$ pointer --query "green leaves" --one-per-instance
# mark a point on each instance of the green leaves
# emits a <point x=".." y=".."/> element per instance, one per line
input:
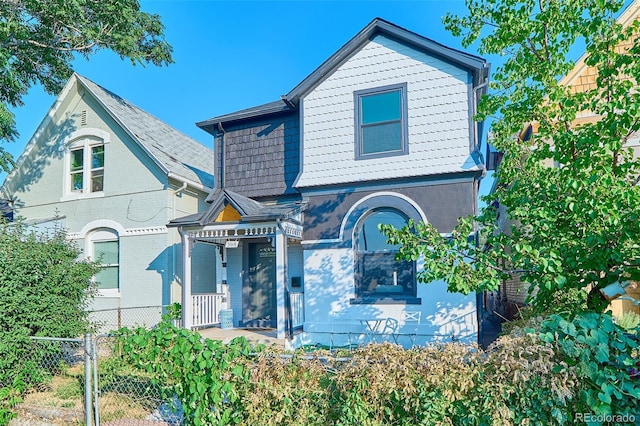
<point x="39" y="40"/>
<point x="203" y="373"/>
<point x="565" y="214"/>
<point x="44" y="289"/>
<point x="601" y="354"/>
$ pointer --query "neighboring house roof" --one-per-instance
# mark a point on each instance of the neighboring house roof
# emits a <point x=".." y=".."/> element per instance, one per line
<point x="582" y="76"/>
<point x="289" y="102"/>
<point x="248" y="209"/>
<point x="177" y="154"/>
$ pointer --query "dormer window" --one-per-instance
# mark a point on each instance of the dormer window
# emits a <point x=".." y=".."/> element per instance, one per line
<point x="381" y="122"/>
<point x="86" y="166"/>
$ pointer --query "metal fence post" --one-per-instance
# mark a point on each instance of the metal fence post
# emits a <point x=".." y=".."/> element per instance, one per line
<point x="87" y="379"/>
<point x="96" y="391"/>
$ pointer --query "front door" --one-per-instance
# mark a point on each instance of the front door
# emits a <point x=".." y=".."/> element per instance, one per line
<point x="260" y="303"/>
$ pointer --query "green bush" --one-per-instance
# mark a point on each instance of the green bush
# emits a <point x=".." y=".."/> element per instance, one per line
<point x="568" y="367"/>
<point x="44" y="289"/>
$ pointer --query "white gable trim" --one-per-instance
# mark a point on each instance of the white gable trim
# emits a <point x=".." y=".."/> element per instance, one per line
<point x="43" y="125"/>
<point x="349" y="212"/>
<point x="121" y="230"/>
<point x="128" y="131"/>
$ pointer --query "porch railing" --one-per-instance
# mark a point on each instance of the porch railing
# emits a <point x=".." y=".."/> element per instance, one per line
<point x="206" y="309"/>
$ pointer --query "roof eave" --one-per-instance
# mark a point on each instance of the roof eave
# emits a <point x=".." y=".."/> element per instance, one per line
<point x="212" y="125"/>
<point x="380" y="26"/>
<point x="191" y="183"/>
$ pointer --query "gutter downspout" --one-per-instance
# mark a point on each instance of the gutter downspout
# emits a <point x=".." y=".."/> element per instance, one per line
<point x="222" y="155"/>
<point x="476" y="190"/>
<point x="174" y="254"/>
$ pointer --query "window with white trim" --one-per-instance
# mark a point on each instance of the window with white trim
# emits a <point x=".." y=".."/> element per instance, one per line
<point x="86" y="166"/>
<point x="377" y="272"/>
<point x="105" y="248"/>
<point x="381" y="122"/>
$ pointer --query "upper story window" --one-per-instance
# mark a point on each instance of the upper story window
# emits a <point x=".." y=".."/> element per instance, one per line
<point x="86" y="168"/>
<point x="377" y="272"/>
<point x="381" y="122"/>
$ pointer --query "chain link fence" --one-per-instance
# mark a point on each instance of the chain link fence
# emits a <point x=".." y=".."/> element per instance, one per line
<point x="107" y="320"/>
<point x="128" y="397"/>
<point x="55" y="373"/>
<point x="65" y="376"/>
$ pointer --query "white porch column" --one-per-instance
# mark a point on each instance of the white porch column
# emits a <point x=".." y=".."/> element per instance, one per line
<point x="281" y="279"/>
<point x="187" y="303"/>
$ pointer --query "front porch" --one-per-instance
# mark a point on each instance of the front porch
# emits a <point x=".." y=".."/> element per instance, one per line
<point x="254" y="265"/>
<point x="207" y="315"/>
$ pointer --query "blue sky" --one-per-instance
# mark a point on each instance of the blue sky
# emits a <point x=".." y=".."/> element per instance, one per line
<point x="231" y="55"/>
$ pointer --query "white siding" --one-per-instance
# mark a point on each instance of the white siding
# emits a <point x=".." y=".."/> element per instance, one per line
<point x="329" y="286"/>
<point x="438" y="117"/>
<point x="295" y="261"/>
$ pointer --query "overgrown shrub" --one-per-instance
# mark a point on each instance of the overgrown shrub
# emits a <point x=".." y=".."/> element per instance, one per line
<point x="568" y="367"/>
<point x="44" y="289"/>
<point x="200" y="372"/>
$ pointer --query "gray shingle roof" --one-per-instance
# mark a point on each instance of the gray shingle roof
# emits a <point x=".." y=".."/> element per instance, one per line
<point x="173" y="151"/>
<point x="257" y="111"/>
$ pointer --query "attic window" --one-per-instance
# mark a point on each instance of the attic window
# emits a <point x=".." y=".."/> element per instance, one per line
<point x="86" y="166"/>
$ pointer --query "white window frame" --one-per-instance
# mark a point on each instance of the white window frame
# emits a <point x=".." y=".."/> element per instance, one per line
<point x="85" y="139"/>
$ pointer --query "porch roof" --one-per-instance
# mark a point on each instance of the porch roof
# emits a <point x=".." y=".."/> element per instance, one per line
<point x="249" y="210"/>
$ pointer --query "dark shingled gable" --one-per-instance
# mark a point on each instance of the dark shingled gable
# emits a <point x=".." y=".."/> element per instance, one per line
<point x="262" y="156"/>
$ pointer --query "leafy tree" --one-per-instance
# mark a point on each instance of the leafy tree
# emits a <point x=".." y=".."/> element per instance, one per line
<point x="39" y="39"/>
<point x="570" y="191"/>
<point x="44" y="290"/>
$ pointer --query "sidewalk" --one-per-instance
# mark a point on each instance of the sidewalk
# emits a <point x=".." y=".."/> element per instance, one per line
<point x="264" y="336"/>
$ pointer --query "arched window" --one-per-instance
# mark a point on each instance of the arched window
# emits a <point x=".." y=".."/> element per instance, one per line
<point x="105" y="248"/>
<point x="85" y="163"/>
<point x="377" y="272"/>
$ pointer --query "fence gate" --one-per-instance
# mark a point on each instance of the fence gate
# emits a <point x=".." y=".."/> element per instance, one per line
<point x="64" y="376"/>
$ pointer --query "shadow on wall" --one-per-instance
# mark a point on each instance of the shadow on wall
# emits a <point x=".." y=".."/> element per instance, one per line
<point x="164" y="265"/>
<point x="168" y="264"/>
<point x="326" y="216"/>
<point x="30" y="168"/>
<point x="329" y="288"/>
